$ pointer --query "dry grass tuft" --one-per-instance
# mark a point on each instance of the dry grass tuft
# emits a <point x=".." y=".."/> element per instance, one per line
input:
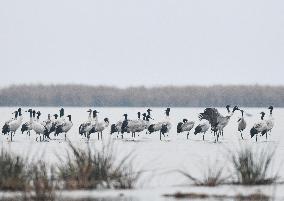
<point x="13" y="172"/>
<point x="258" y="196"/>
<point x="87" y="169"/>
<point x="212" y="175"/>
<point x="252" y="167"/>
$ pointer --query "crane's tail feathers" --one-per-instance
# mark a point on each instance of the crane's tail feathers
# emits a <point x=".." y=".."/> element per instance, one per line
<point x="6" y="129"/>
<point x="59" y="129"/>
<point x="24" y="128"/>
<point x="124" y="127"/>
<point x="151" y="128"/>
<point x="198" y="129"/>
<point x="253" y="132"/>
<point x="179" y="127"/>
<point x="113" y="129"/>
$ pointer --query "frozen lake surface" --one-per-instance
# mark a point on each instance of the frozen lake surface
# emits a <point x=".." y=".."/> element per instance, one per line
<point x="159" y="159"/>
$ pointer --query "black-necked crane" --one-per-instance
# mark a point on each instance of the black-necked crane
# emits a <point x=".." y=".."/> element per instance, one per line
<point x="259" y="127"/>
<point x="202" y="127"/>
<point x="242" y="124"/>
<point x="217" y="121"/>
<point x="185" y="126"/>
<point x="270" y="119"/>
<point x="163" y="126"/>
<point x="64" y="127"/>
<point x="12" y="125"/>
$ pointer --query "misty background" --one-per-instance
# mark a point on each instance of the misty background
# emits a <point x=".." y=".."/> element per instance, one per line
<point x="191" y="96"/>
<point x="193" y="46"/>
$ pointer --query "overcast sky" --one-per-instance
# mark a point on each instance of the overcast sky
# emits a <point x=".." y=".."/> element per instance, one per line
<point x="146" y="42"/>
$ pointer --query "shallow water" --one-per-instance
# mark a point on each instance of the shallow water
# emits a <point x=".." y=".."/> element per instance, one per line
<point x="159" y="159"/>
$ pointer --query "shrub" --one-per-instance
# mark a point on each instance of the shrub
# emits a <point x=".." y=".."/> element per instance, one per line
<point x="13" y="171"/>
<point x="87" y="169"/>
<point x="251" y="167"/>
<point x="212" y="175"/>
<point x="42" y="181"/>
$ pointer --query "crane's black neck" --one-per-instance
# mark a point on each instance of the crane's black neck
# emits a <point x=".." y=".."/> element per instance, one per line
<point x="20" y="111"/>
<point x="167" y="113"/>
<point x="31" y="114"/>
<point x="94" y="114"/>
<point x="262" y="116"/>
<point x="16" y="114"/>
<point x="228" y="109"/>
<point x="61" y="112"/>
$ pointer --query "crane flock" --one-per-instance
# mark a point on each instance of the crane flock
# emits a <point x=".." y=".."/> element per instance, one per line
<point x="209" y="120"/>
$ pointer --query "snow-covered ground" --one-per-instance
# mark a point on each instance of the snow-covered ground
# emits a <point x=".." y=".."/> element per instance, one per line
<point x="159" y="159"/>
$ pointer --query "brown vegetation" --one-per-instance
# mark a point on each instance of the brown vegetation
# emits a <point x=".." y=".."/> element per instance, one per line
<point x="249" y="167"/>
<point x="258" y="196"/>
<point x="85" y="169"/>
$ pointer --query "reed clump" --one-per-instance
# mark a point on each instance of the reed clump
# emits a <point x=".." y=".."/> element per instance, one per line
<point x="211" y="175"/>
<point x="89" y="169"/>
<point x="248" y="167"/>
<point x="14" y="174"/>
<point x="251" y="167"/>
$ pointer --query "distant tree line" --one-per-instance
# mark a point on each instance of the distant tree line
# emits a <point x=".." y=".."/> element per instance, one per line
<point x="98" y="96"/>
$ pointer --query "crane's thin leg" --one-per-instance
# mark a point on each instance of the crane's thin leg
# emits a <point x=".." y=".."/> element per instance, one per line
<point x="98" y="136"/>
<point x="187" y="135"/>
<point x="203" y="137"/>
<point x="256" y="138"/>
<point x="101" y="135"/>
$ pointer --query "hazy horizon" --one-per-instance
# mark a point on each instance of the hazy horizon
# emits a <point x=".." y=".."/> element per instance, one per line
<point x="138" y="86"/>
<point x="142" y="43"/>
